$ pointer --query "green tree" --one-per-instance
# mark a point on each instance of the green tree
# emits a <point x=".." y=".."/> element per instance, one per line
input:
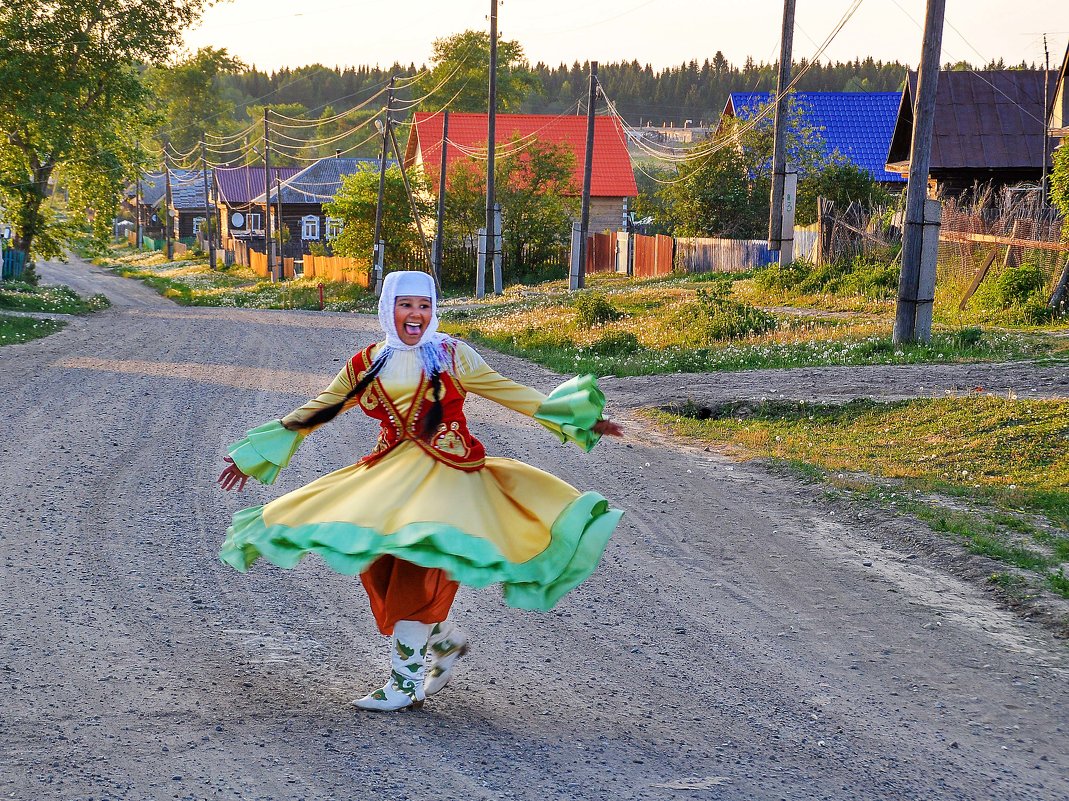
<point x="355" y="206"/>
<point x="73" y="99"/>
<point x="535" y="186"/>
<point x="1059" y="181"/>
<point x="842" y="182"/>
<point x="189" y="99"/>
<point x="461" y="72"/>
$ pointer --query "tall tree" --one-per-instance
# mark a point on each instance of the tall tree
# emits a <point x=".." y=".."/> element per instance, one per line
<point x="71" y="95"/>
<point x="461" y="71"/>
<point x="355" y="206"/>
<point x="189" y="96"/>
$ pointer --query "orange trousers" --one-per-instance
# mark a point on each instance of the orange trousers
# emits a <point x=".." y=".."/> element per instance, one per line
<point x="400" y="590"/>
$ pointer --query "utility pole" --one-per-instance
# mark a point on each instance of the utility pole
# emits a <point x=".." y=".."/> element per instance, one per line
<point x="491" y="144"/>
<point x="268" y="244"/>
<point x="278" y="227"/>
<point x="208" y="216"/>
<point x="439" y="232"/>
<point x="412" y="204"/>
<point x="377" y="256"/>
<point x="584" y="222"/>
<point x="779" y="147"/>
<point x="167" y="205"/>
<point x="1046" y="138"/>
<point x="139" y="236"/>
<point x="916" y="283"/>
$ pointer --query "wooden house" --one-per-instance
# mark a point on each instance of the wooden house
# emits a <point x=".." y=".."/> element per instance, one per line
<point x="1058" y="114"/>
<point x="236" y="188"/>
<point x="188" y="208"/>
<point x="303" y="196"/>
<point x="988" y="130"/>
<point x="612" y="178"/>
<point x="856" y="125"/>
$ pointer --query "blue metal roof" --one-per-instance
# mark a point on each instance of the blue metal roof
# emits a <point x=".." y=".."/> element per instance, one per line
<point x="857" y="124"/>
<point x="320" y="182"/>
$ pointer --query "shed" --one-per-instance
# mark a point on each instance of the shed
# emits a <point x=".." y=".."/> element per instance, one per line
<point x="989" y="128"/>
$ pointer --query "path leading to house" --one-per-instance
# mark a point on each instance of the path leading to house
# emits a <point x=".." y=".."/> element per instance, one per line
<point x="744" y="638"/>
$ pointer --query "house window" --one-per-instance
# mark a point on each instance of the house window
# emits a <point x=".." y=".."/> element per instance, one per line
<point x="334" y="226"/>
<point x="197" y="223"/>
<point x="310" y="227"/>
<point x="256" y="224"/>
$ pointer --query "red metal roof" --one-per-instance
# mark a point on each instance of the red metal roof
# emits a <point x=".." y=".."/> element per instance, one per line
<point x="611" y="172"/>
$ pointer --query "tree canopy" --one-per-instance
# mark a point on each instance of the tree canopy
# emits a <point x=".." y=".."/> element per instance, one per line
<point x="72" y="95"/>
<point x="460" y="74"/>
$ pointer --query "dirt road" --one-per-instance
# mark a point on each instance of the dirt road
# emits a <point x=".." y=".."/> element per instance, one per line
<point x="743" y="639"/>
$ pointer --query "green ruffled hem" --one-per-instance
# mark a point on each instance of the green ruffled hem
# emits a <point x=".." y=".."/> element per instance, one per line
<point x="265" y="450"/>
<point x="578" y="538"/>
<point x="572" y="409"/>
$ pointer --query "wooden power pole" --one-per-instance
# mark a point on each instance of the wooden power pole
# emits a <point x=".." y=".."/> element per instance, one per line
<point x="439" y="231"/>
<point x="491" y="145"/>
<point x="167" y="232"/>
<point x="377" y="256"/>
<point x="267" y="199"/>
<point x="209" y="220"/>
<point x="579" y="279"/>
<point x="782" y="122"/>
<point x="916" y="283"/>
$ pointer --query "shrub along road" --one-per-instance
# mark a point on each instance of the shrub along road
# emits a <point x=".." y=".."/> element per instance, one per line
<point x="743" y="638"/>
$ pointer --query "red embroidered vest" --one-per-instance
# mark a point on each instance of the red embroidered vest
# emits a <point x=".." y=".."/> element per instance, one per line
<point x="451" y="443"/>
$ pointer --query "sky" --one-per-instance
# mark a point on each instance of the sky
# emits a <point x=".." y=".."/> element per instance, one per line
<point x="275" y="33"/>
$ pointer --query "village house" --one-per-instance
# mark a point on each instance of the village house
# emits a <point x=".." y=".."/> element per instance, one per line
<point x="1058" y="118"/>
<point x="153" y="187"/>
<point x="856" y="125"/>
<point x="988" y="129"/>
<point x="188" y="209"/>
<point x="612" y="178"/>
<point x="236" y="187"/>
<point x="303" y="196"/>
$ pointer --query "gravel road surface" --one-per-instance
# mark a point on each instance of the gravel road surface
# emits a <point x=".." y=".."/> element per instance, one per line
<point x="744" y="638"/>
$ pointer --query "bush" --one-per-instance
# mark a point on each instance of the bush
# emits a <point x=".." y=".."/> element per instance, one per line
<point x="872" y="275"/>
<point x="781" y="277"/>
<point x="713" y="317"/>
<point x="968" y="337"/>
<point x="592" y="309"/>
<point x="1021" y="287"/>
<point x="616" y="343"/>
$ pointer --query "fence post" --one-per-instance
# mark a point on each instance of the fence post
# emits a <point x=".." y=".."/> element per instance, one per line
<point x="480" y="266"/>
<point x="574" y="265"/>
<point x="925" y="297"/>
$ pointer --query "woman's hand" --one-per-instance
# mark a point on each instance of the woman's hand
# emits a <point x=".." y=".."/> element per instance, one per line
<point x="608" y="428"/>
<point x="232" y="477"/>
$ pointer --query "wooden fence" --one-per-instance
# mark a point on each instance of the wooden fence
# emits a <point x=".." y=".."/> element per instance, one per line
<point x="258" y="264"/>
<point x="337" y="268"/>
<point x="601" y="253"/>
<point x="654" y="255"/>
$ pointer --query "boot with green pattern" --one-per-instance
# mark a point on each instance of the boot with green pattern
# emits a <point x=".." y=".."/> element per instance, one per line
<point x="446" y="645"/>
<point x="408" y="657"/>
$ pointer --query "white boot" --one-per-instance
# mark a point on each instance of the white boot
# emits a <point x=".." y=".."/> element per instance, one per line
<point x="446" y="645"/>
<point x="407" y="658"/>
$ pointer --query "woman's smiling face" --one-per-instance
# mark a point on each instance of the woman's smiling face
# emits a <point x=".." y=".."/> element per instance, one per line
<point x="411" y="316"/>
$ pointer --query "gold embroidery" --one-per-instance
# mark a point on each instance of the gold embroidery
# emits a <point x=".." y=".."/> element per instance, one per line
<point x="369" y="400"/>
<point x="449" y="441"/>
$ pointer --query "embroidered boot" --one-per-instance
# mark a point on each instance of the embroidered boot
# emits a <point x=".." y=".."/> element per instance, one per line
<point x="446" y="645"/>
<point x="405" y="687"/>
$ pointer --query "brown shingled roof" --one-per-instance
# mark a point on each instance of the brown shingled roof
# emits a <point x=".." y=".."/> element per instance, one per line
<point x="990" y="119"/>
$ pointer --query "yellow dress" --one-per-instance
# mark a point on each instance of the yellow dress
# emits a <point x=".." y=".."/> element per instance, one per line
<point x="507" y="522"/>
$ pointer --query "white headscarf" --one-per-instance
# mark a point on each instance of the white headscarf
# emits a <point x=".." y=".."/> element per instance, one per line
<point x="431" y="346"/>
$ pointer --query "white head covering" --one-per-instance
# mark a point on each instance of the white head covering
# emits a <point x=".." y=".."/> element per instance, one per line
<point x="432" y="353"/>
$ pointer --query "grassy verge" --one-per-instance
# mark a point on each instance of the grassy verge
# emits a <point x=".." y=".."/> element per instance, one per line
<point x="191" y="282"/>
<point x="992" y="473"/>
<point x="17" y="296"/>
<point x="22" y="329"/>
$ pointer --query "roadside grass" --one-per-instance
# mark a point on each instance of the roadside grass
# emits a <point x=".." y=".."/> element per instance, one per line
<point x="708" y="323"/>
<point x="189" y="280"/>
<point x="990" y="472"/>
<point x="19" y="296"/>
<point x="22" y="329"/>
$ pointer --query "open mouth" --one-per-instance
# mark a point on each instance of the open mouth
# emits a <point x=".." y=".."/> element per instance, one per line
<point x="413" y="329"/>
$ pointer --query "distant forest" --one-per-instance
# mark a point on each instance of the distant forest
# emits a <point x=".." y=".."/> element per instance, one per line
<point x="673" y="95"/>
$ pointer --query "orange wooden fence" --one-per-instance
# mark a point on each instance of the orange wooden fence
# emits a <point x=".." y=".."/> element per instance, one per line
<point x="600" y="253"/>
<point x="258" y="264"/>
<point x="653" y="255"/>
<point x="337" y="268"/>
